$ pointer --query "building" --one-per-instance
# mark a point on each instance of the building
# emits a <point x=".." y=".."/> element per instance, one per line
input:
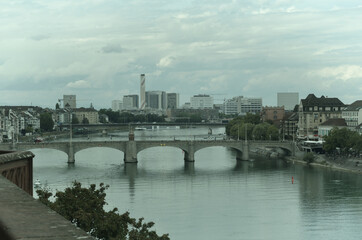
<point x="353" y="115"/>
<point x="156" y="100"/>
<point x="314" y="111"/>
<point x="69" y="101"/>
<point x="327" y="126"/>
<point x="230" y="107"/>
<point x="288" y="100"/>
<point x="16" y="120"/>
<point x="130" y="102"/>
<point x="117" y="105"/>
<point x="86" y="115"/>
<point x="173" y="100"/>
<point x="241" y="106"/>
<point x="202" y="101"/>
<point x="142" y="91"/>
<point x="272" y="113"/>
<point x="290" y="125"/>
<point x="249" y="105"/>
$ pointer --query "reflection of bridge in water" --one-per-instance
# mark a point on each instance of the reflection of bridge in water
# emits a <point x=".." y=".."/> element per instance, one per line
<point x="132" y="148"/>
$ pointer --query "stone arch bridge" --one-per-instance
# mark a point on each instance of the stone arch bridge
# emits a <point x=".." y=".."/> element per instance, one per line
<point x="132" y="148"/>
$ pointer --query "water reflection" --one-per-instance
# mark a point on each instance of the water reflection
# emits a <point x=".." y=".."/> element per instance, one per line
<point x="130" y="170"/>
<point x="189" y="168"/>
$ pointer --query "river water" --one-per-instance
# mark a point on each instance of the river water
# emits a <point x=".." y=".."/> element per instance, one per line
<point x="217" y="197"/>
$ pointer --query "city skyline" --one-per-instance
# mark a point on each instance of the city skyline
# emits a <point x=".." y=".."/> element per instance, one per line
<point x="98" y="49"/>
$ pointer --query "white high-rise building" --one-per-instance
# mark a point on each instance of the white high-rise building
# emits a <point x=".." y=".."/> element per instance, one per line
<point x="130" y="102"/>
<point x="143" y="92"/>
<point x="202" y="101"/>
<point x="117" y="105"/>
<point x="242" y="106"/>
<point x="288" y="100"/>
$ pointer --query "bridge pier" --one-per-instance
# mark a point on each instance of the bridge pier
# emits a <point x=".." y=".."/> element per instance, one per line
<point x="71" y="158"/>
<point x="245" y="155"/>
<point x="190" y="153"/>
<point x="130" y="155"/>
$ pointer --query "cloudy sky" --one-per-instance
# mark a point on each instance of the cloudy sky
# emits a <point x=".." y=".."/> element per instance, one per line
<point x="97" y="49"/>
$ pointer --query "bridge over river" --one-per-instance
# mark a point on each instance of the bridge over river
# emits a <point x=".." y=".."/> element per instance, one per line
<point x="132" y="148"/>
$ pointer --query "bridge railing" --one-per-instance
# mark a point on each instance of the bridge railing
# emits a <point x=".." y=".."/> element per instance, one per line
<point x="18" y="168"/>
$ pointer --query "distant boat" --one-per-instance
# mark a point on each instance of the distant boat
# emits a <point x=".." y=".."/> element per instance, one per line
<point x="37" y="183"/>
<point x="140" y="128"/>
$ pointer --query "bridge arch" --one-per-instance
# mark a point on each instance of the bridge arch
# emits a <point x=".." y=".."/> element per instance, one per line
<point x="238" y="150"/>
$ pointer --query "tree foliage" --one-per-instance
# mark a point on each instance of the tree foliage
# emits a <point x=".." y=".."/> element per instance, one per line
<point x="46" y="122"/>
<point x="255" y="130"/>
<point x="344" y="139"/>
<point x="260" y="131"/>
<point x="252" y="118"/>
<point x="85" y="208"/>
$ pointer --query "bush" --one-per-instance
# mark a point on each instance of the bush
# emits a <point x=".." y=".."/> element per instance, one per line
<point x="308" y="157"/>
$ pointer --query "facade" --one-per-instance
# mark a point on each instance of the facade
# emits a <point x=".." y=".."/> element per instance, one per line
<point x="314" y="111"/>
<point x="156" y="100"/>
<point x="202" y="101"/>
<point x="117" y="105"/>
<point x="272" y="113"/>
<point x="249" y="105"/>
<point x="230" y="106"/>
<point x="18" y="120"/>
<point x="69" y="101"/>
<point x="173" y="100"/>
<point x="86" y="113"/>
<point x="288" y="100"/>
<point x="290" y="125"/>
<point x="142" y="91"/>
<point x="327" y="126"/>
<point x="353" y="115"/>
<point x="241" y="106"/>
<point x="130" y="102"/>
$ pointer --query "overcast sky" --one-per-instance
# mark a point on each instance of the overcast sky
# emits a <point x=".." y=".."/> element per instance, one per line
<point x="97" y="49"/>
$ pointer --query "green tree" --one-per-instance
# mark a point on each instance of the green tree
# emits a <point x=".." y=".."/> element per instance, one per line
<point x="75" y="120"/>
<point x="344" y="139"/>
<point x="46" y="122"/>
<point x="85" y="208"/>
<point x="85" y="121"/>
<point x="252" y="118"/>
<point x="260" y="131"/>
<point x="272" y="133"/>
<point x="235" y="121"/>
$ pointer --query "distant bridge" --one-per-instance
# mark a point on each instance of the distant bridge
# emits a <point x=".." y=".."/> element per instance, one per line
<point x="132" y="148"/>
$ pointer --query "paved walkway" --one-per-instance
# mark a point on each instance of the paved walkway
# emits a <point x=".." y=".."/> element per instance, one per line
<point x="26" y="218"/>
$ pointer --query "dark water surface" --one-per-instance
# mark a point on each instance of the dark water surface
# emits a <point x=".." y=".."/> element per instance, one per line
<point x="217" y="197"/>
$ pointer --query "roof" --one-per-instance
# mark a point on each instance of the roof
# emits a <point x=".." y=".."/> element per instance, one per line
<point x="312" y="101"/>
<point x="355" y="106"/>
<point x="335" y="122"/>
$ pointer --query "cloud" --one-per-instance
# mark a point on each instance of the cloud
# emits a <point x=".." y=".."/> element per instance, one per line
<point x="165" y="62"/>
<point x="343" y="72"/>
<point x="113" y="48"/>
<point x="78" y="84"/>
<point x="40" y="37"/>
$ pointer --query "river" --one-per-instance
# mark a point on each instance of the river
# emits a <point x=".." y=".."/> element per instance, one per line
<point x="217" y="197"/>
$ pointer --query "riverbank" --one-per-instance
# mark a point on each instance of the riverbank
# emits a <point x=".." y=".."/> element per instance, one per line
<point x="353" y="165"/>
